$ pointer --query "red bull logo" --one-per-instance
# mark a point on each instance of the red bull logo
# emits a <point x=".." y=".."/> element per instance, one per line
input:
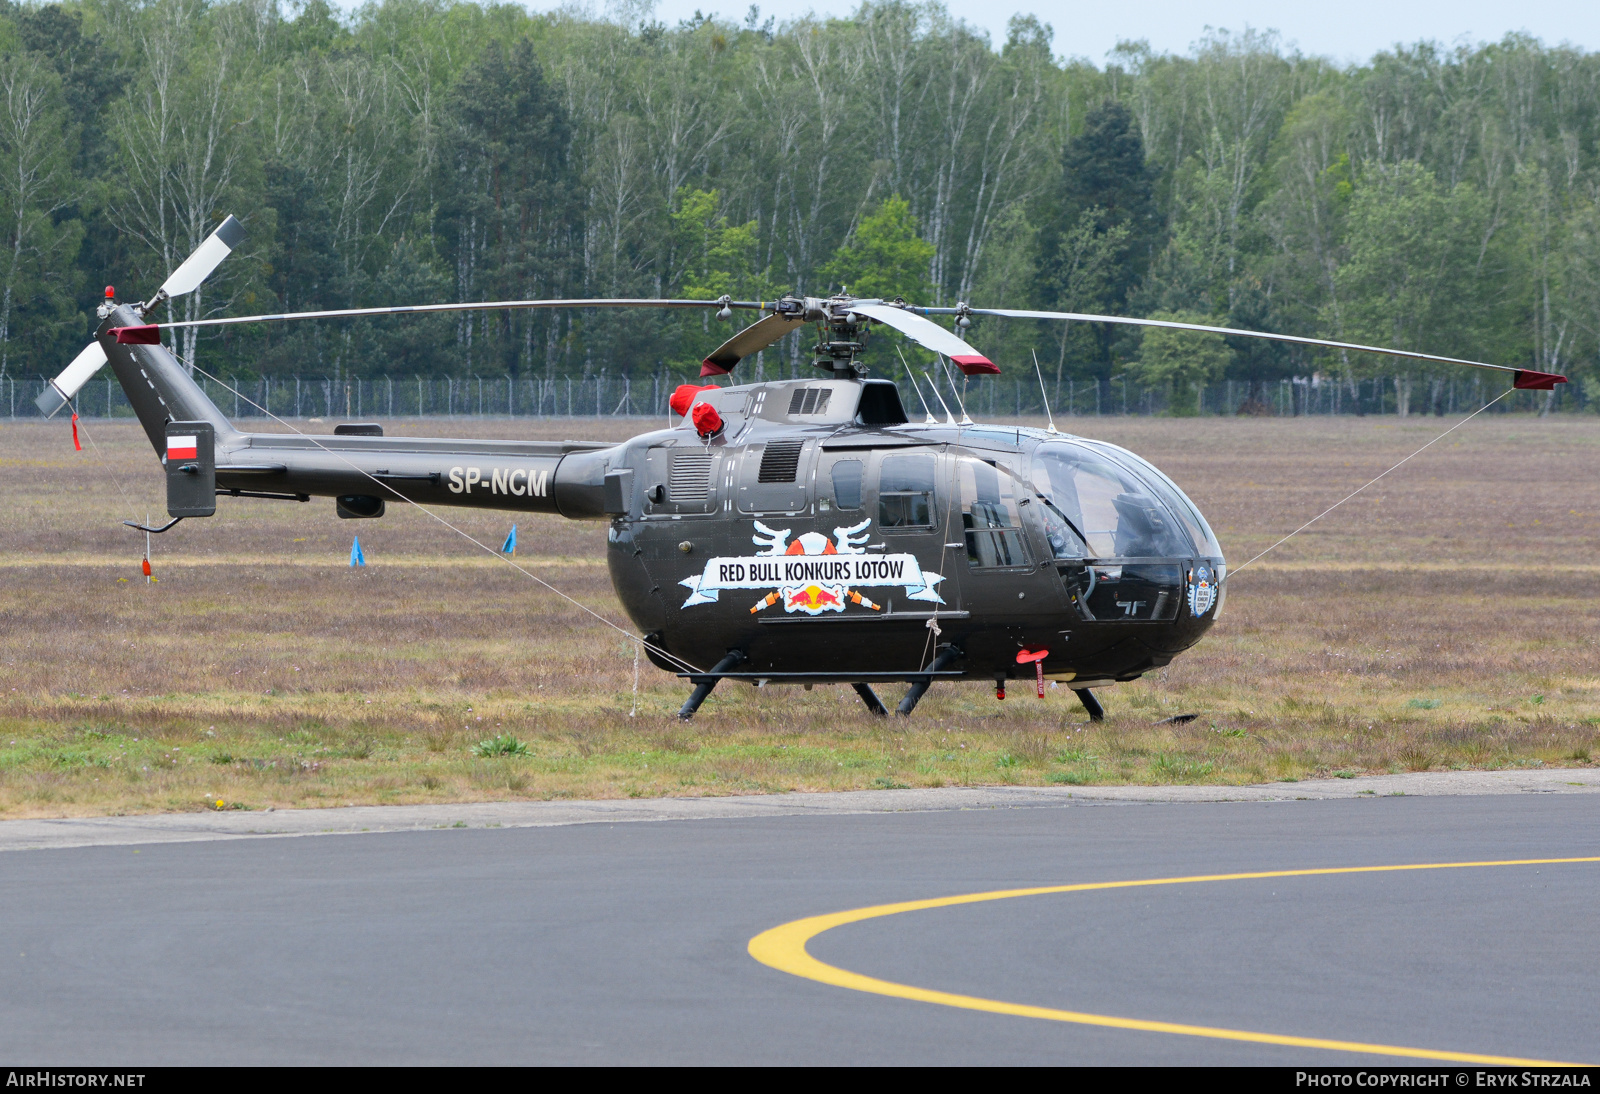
<point x="814" y="598"/>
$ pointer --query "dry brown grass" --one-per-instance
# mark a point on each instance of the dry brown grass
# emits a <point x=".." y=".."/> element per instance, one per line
<point x="1443" y="619"/>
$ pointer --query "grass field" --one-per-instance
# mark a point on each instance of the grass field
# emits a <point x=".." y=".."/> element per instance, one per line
<point x="1444" y="618"/>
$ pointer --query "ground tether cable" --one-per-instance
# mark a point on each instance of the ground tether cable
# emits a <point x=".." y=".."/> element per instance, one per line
<point x="463" y="534"/>
<point x="1358" y="490"/>
<point x="930" y="647"/>
<point x="106" y="465"/>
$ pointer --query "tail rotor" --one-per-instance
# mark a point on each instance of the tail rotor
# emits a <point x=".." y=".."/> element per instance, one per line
<point x="185" y="279"/>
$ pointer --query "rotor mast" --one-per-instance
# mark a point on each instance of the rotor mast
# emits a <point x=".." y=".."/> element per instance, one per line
<point x="841" y="331"/>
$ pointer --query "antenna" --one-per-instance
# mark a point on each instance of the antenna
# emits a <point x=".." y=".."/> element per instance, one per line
<point x="950" y="419"/>
<point x="965" y="420"/>
<point x="1040" y="373"/>
<point x="931" y="419"/>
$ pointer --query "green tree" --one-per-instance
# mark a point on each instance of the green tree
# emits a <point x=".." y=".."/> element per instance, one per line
<point x="884" y="258"/>
<point x="1085" y="266"/>
<point x="36" y="185"/>
<point x="1418" y="259"/>
<point x="1255" y="361"/>
<point x="1181" y="360"/>
<point x="1006" y="280"/>
<point x="1097" y="244"/>
<point x="511" y="217"/>
<point x="716" y="258"/>
<point x="303" y="269"/>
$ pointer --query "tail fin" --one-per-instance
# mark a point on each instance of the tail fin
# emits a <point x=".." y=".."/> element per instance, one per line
<point x="158" y="387"/>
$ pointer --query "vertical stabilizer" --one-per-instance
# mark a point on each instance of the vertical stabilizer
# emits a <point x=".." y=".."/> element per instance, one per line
<point x="158" y="387"/>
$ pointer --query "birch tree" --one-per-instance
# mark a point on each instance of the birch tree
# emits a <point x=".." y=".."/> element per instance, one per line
<point x="36" y="183"/>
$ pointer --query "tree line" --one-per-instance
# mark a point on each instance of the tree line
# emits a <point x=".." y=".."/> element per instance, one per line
<point x="420" y="151"/>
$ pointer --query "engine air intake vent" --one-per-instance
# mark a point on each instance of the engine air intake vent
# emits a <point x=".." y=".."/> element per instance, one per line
<point x="809" y="400"/>
<point x="690" y="478"/>
<point x="781" y="460"/>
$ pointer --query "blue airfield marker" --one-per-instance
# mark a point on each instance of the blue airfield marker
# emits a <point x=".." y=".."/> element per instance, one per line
<point x="356" y="557"/>
<point x="509" y="547"/>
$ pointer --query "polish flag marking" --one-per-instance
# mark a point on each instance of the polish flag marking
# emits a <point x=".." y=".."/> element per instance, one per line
<point x="182" y="448"/>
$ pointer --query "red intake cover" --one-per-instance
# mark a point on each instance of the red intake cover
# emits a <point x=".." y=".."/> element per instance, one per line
<point x="684" y="396"/>
<point x="706" y="419"/>
<point x="1024" y="657"/>
<point x="139" y="336"/>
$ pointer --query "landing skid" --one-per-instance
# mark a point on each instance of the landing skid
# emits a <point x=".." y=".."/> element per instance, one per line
<point x="1097" y="713"/>
<point x="919" y="688"/>
<point x="870" y="697"/>
<point x="705" y="684"/>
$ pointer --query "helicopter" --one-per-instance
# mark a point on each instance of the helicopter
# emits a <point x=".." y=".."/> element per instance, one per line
<point x="799" y="531"/>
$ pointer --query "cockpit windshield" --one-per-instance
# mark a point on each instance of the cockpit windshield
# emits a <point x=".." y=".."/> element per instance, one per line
<point x="1176" y="500"/>
<point x="1120" y="512"/>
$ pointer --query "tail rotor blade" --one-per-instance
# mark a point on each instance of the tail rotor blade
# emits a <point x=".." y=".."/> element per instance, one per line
<point x="207" y="257"/>
<point x="61" y="390"/>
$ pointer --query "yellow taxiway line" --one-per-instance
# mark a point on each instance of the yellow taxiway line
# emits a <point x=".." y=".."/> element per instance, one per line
<point x="784" y="948"/>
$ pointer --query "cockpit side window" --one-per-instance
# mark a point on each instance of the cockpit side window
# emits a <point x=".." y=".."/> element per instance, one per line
<point x="905" y="492"/>
<point x="1107" y="503"/>
<point x="990" y="516"/>
<point x="847" y="475"/>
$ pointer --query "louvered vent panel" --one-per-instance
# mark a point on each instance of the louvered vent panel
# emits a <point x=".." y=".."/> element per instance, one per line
<point x="690" y="479"/>
<point x="780" y="462"/>
<point x="810" y="400"/>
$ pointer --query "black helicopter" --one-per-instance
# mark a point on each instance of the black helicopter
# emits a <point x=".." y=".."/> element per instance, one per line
<point x="787" y="532"/>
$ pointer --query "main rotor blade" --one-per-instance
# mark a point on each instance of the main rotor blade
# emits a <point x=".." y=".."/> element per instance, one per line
<point x="207" y="257"/>
<point x="140" y="335"/>
<point x="61" y="390"/>
<point x="1523" y="378"/>
<point x="929" y="335"/>
<point x="754" y="338"/>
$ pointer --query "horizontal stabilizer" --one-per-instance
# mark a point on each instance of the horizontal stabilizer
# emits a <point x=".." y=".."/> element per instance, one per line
<point x="149" y="335"/>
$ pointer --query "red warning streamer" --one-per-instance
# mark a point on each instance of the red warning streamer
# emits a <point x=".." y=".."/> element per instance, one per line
<point x="75" y="443"/>
<point x="1037" y="658"/>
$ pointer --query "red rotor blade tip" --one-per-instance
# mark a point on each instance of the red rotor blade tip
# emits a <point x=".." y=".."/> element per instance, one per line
<point x="139" y="336"/>
<point x="976" y="365"/>
<point x="1529" y="380"/>
<point x="709" y="367"/>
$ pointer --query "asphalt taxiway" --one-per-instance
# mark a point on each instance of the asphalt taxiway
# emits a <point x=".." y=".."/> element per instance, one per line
<point x="538" y="937"/>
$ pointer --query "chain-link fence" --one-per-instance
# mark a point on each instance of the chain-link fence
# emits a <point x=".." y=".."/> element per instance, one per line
<point x="605" y="396"/>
